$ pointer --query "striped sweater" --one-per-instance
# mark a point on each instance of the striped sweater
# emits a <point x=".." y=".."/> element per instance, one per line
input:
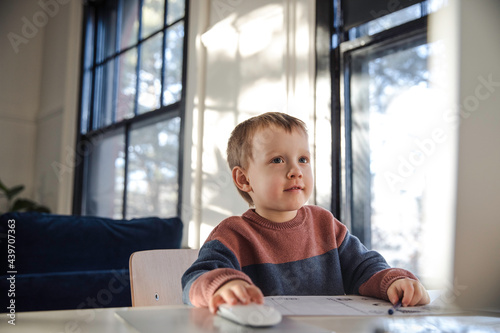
<point x="312" y="254"/>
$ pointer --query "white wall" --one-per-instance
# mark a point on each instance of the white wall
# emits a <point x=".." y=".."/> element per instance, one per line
<point x="57" y="116"/>
<point x="465" y="248"/>
<point x="19" y="96"/>
<point x="477" y="242"/>
<point x="38" y="97"/>
<point x="251" y="57"/>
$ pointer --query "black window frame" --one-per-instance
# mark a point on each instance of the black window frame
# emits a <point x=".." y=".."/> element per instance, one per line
<point x="331" y="17"/>
<point x="417" y="30"/>
<point x="86" y="137"/>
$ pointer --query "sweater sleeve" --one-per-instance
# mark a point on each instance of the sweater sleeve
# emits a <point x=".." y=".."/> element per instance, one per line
<point x="216" y="265"/>
<point x="377" y="285"/>
<point x="366" y="272"/>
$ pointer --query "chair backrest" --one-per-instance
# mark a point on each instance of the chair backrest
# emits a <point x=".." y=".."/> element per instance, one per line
<point x="155" y="276"/>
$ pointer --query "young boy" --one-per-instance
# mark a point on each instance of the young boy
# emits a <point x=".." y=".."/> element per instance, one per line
<point x="282" y="246"/>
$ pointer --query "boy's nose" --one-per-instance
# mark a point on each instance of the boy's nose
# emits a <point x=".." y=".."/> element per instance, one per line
<point x="294" y="172"/>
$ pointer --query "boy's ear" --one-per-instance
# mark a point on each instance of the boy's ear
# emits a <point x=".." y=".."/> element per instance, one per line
<point x="240" y="179"/>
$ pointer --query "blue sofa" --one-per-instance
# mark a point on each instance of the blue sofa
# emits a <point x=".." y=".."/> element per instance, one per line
<point x="74" y="262"/>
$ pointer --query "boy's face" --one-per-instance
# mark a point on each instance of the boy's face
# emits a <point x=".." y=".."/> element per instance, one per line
<point x="279" y="175"/>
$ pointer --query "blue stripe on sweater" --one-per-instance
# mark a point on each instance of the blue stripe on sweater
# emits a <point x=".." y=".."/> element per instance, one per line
<point x="318" y="275"/>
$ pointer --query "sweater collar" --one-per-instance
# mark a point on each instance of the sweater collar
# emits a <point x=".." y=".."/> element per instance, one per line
<point x="298" y="220"/>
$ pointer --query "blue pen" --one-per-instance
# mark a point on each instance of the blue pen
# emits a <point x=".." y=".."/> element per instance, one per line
<point x="394" y="307"/>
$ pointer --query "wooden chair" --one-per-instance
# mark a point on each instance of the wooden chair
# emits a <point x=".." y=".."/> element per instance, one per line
<point x="155" y="276"/>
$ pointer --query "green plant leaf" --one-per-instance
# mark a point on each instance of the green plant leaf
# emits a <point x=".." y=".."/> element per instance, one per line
<point x="41" y="209"/>
<point x="14" y="191"/>
<point x="22" y="204"/>
<point x="3" y="187"/>
<point x="28" y="206"/>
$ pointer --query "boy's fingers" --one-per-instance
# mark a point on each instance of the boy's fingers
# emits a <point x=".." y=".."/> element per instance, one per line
<point x="248" y="293"/>
<point x="408" y="292"/>
<point x="256" y="294"/>
<point x="394" y="298"/>
<point x="427" y="298"/>
<point x="225" y="296"/>
<point x="418" y="296"/>
<point x="421" y="297"/>
<point x="231" y="293"/>
<point x="394" y="294"/>
<point x="241" y="294"/>
<point x="229" y="297"/>
<point x="214" y="303"/>
<point x="237" y="293"/>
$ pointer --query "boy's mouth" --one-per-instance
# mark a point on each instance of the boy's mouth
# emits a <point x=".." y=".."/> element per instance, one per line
<point x="294" y="188"/>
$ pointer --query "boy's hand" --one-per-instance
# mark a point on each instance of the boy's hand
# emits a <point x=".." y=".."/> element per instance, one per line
<point x="409" y="291"/>
<point x="233" y="292"/>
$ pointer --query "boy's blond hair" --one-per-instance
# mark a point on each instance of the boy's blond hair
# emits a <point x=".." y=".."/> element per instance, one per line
<point x="239" y="147"/>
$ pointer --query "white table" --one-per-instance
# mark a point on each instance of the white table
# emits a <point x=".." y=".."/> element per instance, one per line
<point x="184" y="319"/>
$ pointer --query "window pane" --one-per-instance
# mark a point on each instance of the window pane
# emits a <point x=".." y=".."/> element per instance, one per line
<point x="173" y="64"/>
<point x="394" y="19"/>
<point x="381" y="23"/>
<point x="119" y="83"/>
<point x="103" y="111"/>
<point x="129" y="23"/>
<point x="88" y="64"/>
<point x="435" y="5"/>
<point x="127" y="79"/>
<point x="150" y="74"/>
<point x="153" y="169"/>
<point x="105" y="177"/>
<point x="397" y="149"/>
<point x="86" y="88"/>
<point x="107" y="33"/>
<point x="152" y="16"/>
<point x="175" y="10"/>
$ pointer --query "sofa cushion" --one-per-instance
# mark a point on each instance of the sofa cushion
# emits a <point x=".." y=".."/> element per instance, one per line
<point x="70" y="262"/>
<point x="71" y="290"/>
<point x="60" y="243"/>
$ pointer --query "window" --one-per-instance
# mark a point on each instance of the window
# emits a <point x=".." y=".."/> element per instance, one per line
<point x="391" y="136"/>
<point x="132" y="108"/>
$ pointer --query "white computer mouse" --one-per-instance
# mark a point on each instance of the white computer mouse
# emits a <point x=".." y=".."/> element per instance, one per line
<point x="250" y="314"/>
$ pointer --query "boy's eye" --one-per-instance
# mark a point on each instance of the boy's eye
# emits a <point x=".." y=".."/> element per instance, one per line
<point x="277" y="160"/>
<point x="303" y="160"/>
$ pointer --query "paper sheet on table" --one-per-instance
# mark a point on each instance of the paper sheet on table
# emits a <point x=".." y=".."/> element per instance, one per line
<point x="350" y="305"/>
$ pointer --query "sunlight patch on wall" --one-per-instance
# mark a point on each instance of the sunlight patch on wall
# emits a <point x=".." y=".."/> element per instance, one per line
<point x="205" y="231"/>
